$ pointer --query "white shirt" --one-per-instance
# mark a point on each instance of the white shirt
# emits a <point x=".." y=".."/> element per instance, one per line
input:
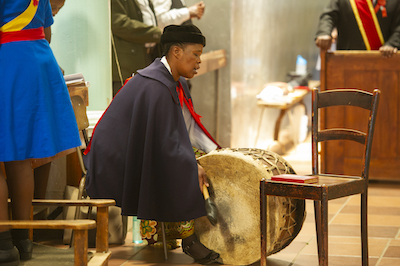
<point x="148" y="17"/>
<point x="167" y="16"/>
<point x="198" y="138"/>
<point x="147" y="13"/>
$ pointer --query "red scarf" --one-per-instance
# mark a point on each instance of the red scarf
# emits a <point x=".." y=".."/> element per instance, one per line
<point x="189" y="105"/>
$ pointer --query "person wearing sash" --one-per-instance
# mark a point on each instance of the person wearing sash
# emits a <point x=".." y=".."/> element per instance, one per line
<point x="36" y="115"/>
<point x="42" y="172"/>
<point x="361" y="25"/>
<point x="141" y="152"/>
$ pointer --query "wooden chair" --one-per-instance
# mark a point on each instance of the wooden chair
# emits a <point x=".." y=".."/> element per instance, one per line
<point x="79" y="227"/>
<point x="329" y="186"/>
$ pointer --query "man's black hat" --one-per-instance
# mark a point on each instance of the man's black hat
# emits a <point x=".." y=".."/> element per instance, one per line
<point x="182" y="34"/>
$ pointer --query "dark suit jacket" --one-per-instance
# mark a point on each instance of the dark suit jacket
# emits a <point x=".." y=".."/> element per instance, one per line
<point x="339" y="14"/>
<point x="130" y="35"/>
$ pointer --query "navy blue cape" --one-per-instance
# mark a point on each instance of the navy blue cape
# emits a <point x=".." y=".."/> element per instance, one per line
<point x="141" y="154"/>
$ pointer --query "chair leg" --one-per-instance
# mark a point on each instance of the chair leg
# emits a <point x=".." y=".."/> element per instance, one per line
<point x="80" y="247"/>
<point x="321" y="225"/>
<point x="364" y="229"/>
<point x="102" y="229"/>
<point x="263" y="225"/>
<point x="324" y="231"/>
<point x="317" y="214"/>
<point x="164" y="241"/>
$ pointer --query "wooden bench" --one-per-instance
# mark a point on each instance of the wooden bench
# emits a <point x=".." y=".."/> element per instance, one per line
<point x="292" y="99"/>
<point x="80" y="228"/>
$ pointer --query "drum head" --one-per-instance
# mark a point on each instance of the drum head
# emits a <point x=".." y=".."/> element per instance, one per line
<point x="234" y="177"/>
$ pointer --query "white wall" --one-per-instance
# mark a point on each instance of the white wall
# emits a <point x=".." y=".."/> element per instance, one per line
<point x="81" y="44"/>
<point x="266" y="37"/>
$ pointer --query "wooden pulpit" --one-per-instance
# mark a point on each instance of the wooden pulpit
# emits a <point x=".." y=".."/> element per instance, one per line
<point x="365" y="70"/>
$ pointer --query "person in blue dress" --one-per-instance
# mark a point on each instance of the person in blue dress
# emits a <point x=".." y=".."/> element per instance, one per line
<point x="36" y="115"/>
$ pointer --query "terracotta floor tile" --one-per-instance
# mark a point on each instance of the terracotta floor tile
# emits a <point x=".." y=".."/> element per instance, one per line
<point x="385" y="220"/>
<point x="387" y="189"/>
<point x="357" y="240"/>
<point x="304" y="238"/>
<point x="272" y="261"/>
<point x="340" y="200"/>
<point x="383" y="231"/>
<point x="354" y="230"/>
<point x="345" y="218"/>
<point x="348" y="261"/>
<point x="155" y="255"/>
<point x="334" y="249"/>
<point x="392" y="252"/>
<point x="389" y="262"/>
<point x="293" y="248"/>
<point x="306" y="260"/>
<point x="346" y="247"/>
<point x="308" y="229"/>
<point x="395" y="242"/>
<point x="386" y="201"/>
<point x="125" y="251"/>
<point x="344" y="232"/>
<point x="372" y="210"/>
<point x="282" y="257"/>
<point x="116" y="262"/>
<point x="380" y="220"/>
<point x="334" y="208"/>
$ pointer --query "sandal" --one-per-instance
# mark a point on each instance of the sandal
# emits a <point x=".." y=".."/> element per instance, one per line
<point x="212" y="257"/>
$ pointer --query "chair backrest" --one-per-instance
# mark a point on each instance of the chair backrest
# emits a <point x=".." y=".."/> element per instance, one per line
<point x="344" y="97"/>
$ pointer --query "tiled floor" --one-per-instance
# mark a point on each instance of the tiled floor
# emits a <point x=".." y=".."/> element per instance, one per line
<point x="344" y="231"/>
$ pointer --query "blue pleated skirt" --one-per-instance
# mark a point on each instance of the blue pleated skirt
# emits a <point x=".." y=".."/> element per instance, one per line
<point x="36" y="115"/>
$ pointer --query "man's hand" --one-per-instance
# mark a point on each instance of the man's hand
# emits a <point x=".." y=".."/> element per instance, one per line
<point x="324" y="42"/>
<point x="197" y="10"/>
<point x="387" y="50"/>
<point x="202" y="177"/>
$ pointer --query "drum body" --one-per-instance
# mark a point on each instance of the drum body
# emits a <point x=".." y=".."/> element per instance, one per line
<point x="234" y="176"/>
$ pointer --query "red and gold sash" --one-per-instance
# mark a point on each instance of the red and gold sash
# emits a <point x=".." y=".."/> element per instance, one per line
<point x="368" y="22"/>
<point x="13" y="31"/>
<point x="23" y="19"/>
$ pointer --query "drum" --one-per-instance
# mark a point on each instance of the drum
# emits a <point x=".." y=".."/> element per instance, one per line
<point x="234" y="176"/>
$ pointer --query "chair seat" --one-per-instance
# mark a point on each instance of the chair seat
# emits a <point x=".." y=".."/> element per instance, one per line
<point x="337" y="186"/>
